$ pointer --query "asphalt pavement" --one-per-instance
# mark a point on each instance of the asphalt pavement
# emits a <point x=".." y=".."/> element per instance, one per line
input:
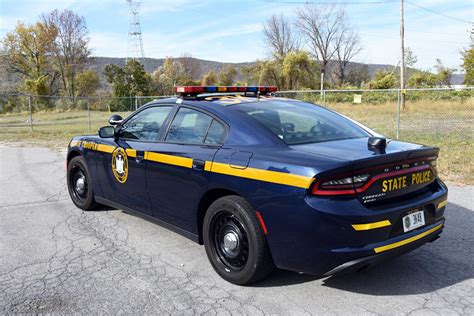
<point x="55" y="258"/>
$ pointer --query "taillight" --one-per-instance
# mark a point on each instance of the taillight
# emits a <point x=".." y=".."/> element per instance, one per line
<point x="340" y="186"/>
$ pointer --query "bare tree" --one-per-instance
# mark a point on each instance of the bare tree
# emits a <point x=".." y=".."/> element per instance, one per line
<point x="69" y="49"/>
<point x="191" y="68"/>
<point x="347" y="46"/>
<point x="279" y="36"/>
<point x="321" y="25"/>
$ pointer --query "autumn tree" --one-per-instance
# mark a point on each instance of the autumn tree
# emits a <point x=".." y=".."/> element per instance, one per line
<point x="209" y="79"/>
<point x="297" y="70"/>
<point x="227" y="76"/>
<point x="279" y="36"/>
<point x="468" y="66"/>
<point x="87" y="83"/>
<point x="25" y="53"/>
<point x="444" y="73"/>
<point x="167" y="76"/>
<point x="68" y="47"/>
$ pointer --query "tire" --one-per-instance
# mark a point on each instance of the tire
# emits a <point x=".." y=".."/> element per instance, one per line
<point x="235" y="242"/>
<point x="81" y="196"/>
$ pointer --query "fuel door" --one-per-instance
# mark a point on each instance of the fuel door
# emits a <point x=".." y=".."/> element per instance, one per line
<point x="240" y="159"/>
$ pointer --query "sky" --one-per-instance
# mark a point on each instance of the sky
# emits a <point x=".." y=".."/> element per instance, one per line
<point x="231" y="30"/>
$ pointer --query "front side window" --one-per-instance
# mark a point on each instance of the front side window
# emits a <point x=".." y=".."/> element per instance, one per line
<point x="300" y="122"/>
<point x="189" y="126"/>
<point x="146" y="124"/>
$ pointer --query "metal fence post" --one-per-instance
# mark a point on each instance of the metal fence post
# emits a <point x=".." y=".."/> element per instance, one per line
<point x="324" y="98"/>
<point x="398" y="114"/>
<point x="136" y="103"/>
<point x="89" y="115"/>
<point x="31" y="112"/>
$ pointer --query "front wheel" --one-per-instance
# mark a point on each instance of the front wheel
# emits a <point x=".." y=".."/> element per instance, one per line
<point x="79" y="184"/>
<point x="235" y="242"/>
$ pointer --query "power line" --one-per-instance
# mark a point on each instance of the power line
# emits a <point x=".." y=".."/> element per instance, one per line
<point x="439" y="13"/>
<point x="329" y="2"/>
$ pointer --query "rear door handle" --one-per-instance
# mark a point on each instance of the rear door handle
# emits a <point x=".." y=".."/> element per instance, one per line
<point x="198" y="164"/>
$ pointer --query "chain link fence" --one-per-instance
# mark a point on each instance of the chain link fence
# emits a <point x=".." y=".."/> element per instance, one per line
<point x="56" y="115"/>
<point x="438" y="117"/>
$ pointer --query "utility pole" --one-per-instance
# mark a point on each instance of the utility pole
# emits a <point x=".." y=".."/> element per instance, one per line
<point x="402" y="59"/>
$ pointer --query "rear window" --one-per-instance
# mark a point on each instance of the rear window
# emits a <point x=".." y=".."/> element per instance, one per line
<point x="300" y="122"/>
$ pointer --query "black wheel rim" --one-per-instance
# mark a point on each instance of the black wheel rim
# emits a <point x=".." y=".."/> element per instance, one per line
<point x="78" y="183"/>
<point x="230" y="241"/>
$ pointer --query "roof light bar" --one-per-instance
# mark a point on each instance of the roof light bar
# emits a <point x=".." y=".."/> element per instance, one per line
<point x="194" y="90"/>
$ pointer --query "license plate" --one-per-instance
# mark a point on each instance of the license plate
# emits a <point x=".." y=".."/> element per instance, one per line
<point x="413" y="221"/>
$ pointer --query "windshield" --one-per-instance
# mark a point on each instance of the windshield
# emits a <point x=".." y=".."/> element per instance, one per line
<point x="300" y="122"/>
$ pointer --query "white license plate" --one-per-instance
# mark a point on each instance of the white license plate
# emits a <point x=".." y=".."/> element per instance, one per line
<point x="413" y="221"/>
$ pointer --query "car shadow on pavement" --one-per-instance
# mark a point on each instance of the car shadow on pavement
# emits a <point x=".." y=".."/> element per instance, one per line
<point x="433" y="266"/>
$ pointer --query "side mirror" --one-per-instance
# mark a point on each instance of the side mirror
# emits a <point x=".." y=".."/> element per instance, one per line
<point x="115" y="119"/>
<point x="107" y="132"/>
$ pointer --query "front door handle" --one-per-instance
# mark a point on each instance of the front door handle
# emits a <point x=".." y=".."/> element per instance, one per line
<point x="140" y="156"/>
<point x="198" y="164"/>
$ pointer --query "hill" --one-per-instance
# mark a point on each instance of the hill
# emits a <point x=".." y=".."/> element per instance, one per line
<point x="9" y="82"/>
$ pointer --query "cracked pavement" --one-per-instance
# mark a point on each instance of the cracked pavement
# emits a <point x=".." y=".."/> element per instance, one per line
<point x="55" y="258"/>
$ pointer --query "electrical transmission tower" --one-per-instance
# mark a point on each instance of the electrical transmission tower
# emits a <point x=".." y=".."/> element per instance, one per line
<point x="135" y="42"/>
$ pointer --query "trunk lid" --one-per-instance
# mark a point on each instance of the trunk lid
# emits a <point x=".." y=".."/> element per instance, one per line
<point x="398" y="169"/>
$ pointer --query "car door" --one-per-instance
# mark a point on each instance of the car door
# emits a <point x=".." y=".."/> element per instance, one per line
<point x="176" y="174"/>
<point x="123" y="178"/>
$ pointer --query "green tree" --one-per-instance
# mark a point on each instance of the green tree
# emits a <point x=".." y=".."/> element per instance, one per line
<point x="382" y="80"/>
<point x="87" y="83"/>
<point x="227" y="76"/>
<point x="209" y="79"/>
<point x="129" y="81"/>
<point x="423" y="79"/>
<point x="468" y="66"/>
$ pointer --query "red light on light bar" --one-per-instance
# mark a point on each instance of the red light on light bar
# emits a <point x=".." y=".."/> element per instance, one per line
<point x="189" y="89"/>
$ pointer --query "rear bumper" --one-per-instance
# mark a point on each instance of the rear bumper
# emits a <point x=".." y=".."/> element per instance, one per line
<point x="325" y="236"/>
<point x="390" y="249"/>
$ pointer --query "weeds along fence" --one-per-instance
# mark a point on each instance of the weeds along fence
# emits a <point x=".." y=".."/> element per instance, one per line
<point x="439" y="117"/>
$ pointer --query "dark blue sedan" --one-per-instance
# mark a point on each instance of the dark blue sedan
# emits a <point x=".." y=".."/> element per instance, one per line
<point x="263" y="181"/>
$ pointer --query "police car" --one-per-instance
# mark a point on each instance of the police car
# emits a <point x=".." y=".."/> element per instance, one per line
<point x="263" y="181"/>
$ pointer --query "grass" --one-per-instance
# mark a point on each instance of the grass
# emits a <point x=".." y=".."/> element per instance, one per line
<point x="446" y="124"/>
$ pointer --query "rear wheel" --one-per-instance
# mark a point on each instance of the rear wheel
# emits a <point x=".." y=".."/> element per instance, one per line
<point x="235" y="243"/>
<point x="79" y="184"/>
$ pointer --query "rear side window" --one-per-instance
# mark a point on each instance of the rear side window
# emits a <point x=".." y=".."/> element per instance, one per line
<point x="189" y="126"/>
<point x="300" y="122"/>
<point x="215" y="133"/>
<point x="146" y="124"/>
